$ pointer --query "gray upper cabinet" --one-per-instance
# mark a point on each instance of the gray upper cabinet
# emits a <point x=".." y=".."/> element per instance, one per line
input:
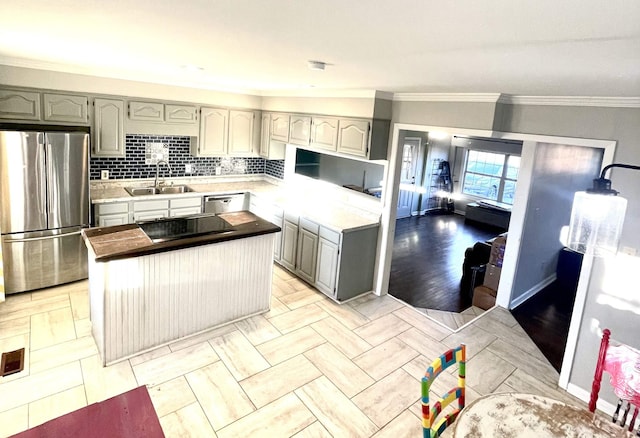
<point x="299" y="130"/>
<point x="241" y="133"/>
<point x="19" y="105"/>
<point x="271" y="150"/>
<point x="146" y="111"/>
<point x="280" y="127"/>
<point x="184" y="114"/>
<point x="66" y="108"/>
<point x="214" y="126"/>
<point x="108" y="128"/>
<point x="324" y="133"/>
<point x="353" y="137"/>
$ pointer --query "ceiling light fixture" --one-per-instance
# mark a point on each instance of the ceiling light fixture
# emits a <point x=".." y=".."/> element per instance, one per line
<point x="192" y="68"/>
<point x="597" y="217"/>
<point x="316" y="65"/>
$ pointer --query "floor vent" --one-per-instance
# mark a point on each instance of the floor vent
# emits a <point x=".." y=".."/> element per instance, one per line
<point x="12" y="362"/>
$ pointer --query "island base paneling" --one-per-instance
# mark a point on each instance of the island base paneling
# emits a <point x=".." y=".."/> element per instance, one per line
<point x="144" y="302"/>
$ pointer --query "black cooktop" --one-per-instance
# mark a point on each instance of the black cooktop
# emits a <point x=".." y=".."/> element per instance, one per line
<point x="161" y="230"/>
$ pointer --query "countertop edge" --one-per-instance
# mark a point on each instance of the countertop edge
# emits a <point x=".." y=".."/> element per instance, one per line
<point x="242" y="231"/>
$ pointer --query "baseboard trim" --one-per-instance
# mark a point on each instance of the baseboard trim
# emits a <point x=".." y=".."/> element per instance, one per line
<point x="531" y="292"/>
<point x="584" y="395"/>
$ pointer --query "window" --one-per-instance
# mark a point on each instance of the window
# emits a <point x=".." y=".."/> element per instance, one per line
<point x="491" y="175"/>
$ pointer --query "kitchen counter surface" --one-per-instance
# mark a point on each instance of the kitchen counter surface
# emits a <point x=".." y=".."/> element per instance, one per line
<point x="126" y="241"/>
<point x="335" y="215"/>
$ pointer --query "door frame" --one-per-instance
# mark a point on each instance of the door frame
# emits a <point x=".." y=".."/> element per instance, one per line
<point x="417" y="155"/>
<point x="503" y="299"/>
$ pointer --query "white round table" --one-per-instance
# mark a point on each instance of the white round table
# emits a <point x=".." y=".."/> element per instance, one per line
<point x="515" y="415"/>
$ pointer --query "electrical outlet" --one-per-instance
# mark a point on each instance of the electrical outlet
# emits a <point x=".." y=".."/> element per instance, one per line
<point x="218" y="170"/>
<point x="187" y="168"/>
<point x="629" y="250"/>
<point x="104" y="174"/>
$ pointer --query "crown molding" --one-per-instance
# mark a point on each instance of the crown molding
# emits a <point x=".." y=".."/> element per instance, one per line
<point x="597" y="101"/>
<point x="447" y="97"/>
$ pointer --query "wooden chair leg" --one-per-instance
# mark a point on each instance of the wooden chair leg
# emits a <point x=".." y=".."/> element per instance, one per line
<point x="617" y="412"/>
<point x="623" y="420"/>
<point x="633" y="419"/>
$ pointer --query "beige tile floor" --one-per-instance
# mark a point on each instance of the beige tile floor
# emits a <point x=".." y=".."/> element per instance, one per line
<point x="306" y="368"/>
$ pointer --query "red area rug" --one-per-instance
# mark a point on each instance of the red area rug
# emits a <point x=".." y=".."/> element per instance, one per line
<point x="128" y="415"/>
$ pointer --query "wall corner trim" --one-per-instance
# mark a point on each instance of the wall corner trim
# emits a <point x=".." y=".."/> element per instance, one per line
<point x="447" y="97"/>
<point x="597" y="101"/>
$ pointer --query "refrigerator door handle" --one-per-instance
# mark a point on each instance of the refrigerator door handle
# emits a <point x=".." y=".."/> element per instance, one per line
<point x="33" y="239"/>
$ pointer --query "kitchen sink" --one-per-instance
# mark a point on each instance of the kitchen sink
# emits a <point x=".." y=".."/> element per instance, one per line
<point x="141" y="191"/>
<point x="174" y="189"/>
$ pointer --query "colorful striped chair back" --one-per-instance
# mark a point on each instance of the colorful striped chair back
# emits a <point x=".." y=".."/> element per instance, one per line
<point x="431" y="428"/>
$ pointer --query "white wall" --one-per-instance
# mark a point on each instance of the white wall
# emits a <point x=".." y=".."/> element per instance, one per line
<point x="26" y="77"/>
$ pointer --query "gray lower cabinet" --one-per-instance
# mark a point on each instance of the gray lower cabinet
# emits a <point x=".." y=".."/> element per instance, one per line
<point x="126" y="212"/>
<point x="289" y="244"/>
<point x="185" y="206"/>
<point x="273" y="214"/>
<point x="108" y="128"/>
<point x="307" y="250"/>
<point x="107" y="215"/>
<point x="327" y="269"/>
<point x="346" y="262"/>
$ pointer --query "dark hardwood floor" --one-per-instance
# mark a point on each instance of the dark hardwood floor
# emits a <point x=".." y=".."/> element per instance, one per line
<point x="428" y="252"/>
<point x="545" y="317"/>
<point x="427" y="265"/>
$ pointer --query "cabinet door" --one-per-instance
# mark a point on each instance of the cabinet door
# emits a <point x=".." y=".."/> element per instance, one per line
<point x="183" y="114"/>
<point x="241" y="133"/>
<point x="108" y="129"/>
<point x="265" y="135"/>
<point x="113" y="219"/>
<point x="307" y="255"/>
<point x="327" y="267"/>
<point x="19" y="105"/>
<point x="214" y="123"/>
<point x="300" y="130"/>
<point x="280" y="127"/>
<point x="65" y="108"/>
<point x="184" y="211"/>
<point x="324" y="133"/>
<point x="353" y="137"/>
<point x="150" y="215"/>
<point x="289" y="245"/>
<point x="146" y="111"/>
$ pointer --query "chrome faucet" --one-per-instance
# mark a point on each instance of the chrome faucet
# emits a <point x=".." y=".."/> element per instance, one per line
<point x="158" y="171"/>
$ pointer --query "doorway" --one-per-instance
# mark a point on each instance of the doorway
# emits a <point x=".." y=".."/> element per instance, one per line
<point x="406" y="198"/>
<point x="515" y="246"/>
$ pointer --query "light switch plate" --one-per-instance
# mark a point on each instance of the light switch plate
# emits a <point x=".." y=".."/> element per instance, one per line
<point x="187" y="168"/>
<point x="104" y="174"/>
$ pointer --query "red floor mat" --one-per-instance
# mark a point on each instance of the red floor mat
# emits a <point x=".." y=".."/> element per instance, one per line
<point x="128" y="415"/>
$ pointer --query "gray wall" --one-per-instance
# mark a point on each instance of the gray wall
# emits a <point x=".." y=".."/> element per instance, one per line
<point x="613" y="276"/>
<point x="476" y="115"/>
<point x="343" y="171"/>
<point x="558" y="172"/>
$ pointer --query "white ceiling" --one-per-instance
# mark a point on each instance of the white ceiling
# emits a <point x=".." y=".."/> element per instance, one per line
<point x="520" y="47"/>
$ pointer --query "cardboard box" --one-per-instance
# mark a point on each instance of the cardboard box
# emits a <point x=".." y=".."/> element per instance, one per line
<point x="492" y="277"/>
<point x="497" y="250"/>
<point x="484" y="297"/>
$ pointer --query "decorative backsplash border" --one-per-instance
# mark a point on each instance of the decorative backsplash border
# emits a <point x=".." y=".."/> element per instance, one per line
<point x="132" y="165"/>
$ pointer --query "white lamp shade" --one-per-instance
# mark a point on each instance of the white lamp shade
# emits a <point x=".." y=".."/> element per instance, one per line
<point x="596" y="223"/>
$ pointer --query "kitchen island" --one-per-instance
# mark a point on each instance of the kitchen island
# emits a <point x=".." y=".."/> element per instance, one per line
<point x="150" y="287"/>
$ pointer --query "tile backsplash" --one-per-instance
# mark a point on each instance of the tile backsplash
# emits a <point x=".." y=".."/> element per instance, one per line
<point x="132" y="165"/>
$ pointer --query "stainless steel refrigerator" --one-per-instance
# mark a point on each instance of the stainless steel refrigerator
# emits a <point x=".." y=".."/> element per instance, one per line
<point x="44" y="204"/>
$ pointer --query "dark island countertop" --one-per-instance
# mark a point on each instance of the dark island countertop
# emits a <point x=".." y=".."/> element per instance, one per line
<point x="126" y="241"/>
